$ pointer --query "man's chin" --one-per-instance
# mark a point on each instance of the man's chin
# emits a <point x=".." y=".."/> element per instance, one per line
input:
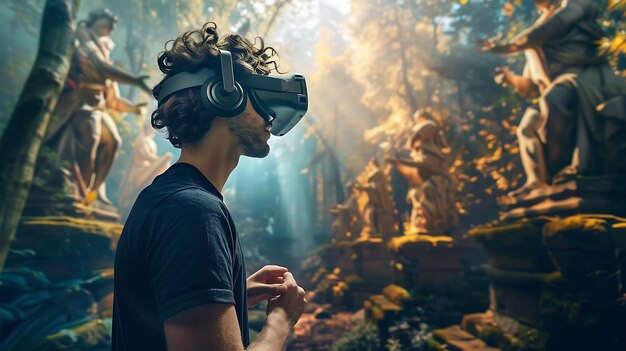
<point x="258" y="152"/>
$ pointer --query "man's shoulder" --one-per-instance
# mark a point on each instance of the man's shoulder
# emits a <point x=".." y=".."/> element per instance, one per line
<point x="175" y="194"/>
<point x="185" y="197"/>
<point x="195" y="199"/>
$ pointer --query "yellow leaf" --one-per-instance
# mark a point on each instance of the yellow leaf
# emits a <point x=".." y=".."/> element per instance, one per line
<point x="508" y="9"/>
<point x="91" y="197"/>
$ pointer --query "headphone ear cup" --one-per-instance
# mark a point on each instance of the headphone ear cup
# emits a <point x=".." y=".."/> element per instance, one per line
<point x="220" y="102"/>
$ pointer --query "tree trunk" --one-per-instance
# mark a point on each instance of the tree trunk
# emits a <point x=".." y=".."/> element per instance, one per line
<point x="275" y="14"/>
<point x="412" y="101"/>
<point x="24" y="133"/>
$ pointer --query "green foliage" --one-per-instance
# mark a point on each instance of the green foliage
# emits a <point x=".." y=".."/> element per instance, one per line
<point x="614" y="22"/>
<point x="363" y="337"/>
<point x="410" y="334"/>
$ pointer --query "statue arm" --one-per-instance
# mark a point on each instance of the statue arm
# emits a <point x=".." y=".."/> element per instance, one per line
<point x="417" y="162"/>
<point x="524" y="87"/>
<point x="558" y="24"/>
<point x="115" y="102"/>
<point x="423" y="164"/>
<point x="118" y="74"/>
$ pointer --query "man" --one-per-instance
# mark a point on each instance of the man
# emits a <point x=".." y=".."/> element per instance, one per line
<point x="81" y="130"/>
<point x="179" y="271"/>
<point x="578" y="79"/>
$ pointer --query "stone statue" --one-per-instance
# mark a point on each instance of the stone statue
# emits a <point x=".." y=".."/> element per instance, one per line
<point x="145" y="166"/>
<point x="375" y="202"/>
<point x="347" y="223"/>
<point x="580" y="124"/>
<point x="81" y="133"/>
<point x="426" y="167"/>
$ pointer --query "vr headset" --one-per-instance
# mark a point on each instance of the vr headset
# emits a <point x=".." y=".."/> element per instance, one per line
<point x="281" y="100"/>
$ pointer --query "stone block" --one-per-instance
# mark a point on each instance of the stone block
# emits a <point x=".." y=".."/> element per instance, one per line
<point x="456" y="339"/>
<point x="515" y="246"/>
<point x="67" y="247"/>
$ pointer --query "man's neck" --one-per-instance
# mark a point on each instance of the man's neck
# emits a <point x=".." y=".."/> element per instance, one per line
<point x="214" y="157"/>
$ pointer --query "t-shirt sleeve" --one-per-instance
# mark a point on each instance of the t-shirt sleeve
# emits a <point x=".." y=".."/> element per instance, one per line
<point x="189" y="259"/>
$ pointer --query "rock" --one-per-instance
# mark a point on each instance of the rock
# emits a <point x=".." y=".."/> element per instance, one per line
<point x="67" y="248"/>
<point x="323" y="315"/>
<point x="311" y="307"/>
<point x="323" y="312"/>
<point x="358" y="316"/>
<point x="477" y="323"/>
<point x="457" y="339"/>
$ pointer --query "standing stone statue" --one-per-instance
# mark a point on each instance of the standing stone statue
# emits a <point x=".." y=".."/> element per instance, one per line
<point x="375" y="202"/>
<point x="581" y="122"/>
<point x="348" y="223"/>
<point x="145" y="166"/>
<point x="426" y="167"/>
<point x="81" y="134"/>
<point x="530" y="85"/>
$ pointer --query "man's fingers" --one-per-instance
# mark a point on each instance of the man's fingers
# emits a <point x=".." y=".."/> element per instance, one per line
<point x="290" y="281"/>
<point x="269" y="289"/>
<point x="273" y="271"/>
<point x="276" y="280"/>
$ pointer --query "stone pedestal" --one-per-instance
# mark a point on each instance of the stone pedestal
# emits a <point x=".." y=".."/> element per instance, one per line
<point x="555" y="284"/>
<point x="357" y="269"/>
<point x="372" y="268"/>
<point x="339" y="254"/>
<point x="65" y="247"/>
<point x="433" y="263"/>
<point x="569" y="197"/>
<point x="58" y="284"/>
<point x="371" y="260"/>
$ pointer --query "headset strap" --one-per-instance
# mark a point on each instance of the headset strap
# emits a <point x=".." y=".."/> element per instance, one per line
<point x="185" y="80"/>
<point x="228" y="76"/>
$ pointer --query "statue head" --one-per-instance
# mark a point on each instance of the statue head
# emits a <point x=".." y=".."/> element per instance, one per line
<point x="102" y="22"/>
<point x="424" y="113"/>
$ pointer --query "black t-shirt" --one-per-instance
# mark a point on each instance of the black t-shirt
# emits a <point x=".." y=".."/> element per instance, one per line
<point x="179" y="249"/>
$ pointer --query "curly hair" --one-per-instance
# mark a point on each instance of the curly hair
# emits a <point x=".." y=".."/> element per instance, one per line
<point x="182" y="113"/>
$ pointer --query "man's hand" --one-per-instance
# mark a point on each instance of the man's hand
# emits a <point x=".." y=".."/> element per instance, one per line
<point x="265" y="284"/>
<point x="289" y="305"/>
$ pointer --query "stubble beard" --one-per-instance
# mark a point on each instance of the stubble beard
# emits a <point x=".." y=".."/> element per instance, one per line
<point x="250" y="136"/>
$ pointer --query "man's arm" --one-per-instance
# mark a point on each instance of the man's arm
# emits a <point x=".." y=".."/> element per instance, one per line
<point x="215" y="326"/>
<point x="205" y="327"/>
